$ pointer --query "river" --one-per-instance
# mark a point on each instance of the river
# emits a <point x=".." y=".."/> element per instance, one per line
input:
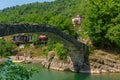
<point x="46" y="74"/>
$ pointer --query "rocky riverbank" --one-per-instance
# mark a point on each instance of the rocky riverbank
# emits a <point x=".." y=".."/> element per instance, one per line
<point x="100" y="62"/>
<point x="53" y="62"/>
<point x="103" y="62"/>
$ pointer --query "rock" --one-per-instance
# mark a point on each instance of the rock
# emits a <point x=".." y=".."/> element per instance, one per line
<point x="92" y="71"/>
<point x="51" y="55"/>
<point x="104" y="63"/>
<point x="103" y="71"/>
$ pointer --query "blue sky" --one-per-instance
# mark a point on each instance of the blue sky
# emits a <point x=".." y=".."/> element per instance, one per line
<point x="9" y="3"/>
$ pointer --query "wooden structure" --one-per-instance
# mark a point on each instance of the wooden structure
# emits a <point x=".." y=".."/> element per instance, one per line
<point x="21" y="38"/>
<point x="43" y="39"/>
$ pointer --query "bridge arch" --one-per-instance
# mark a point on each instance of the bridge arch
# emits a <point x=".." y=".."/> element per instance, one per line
<point x="9" y="29"/>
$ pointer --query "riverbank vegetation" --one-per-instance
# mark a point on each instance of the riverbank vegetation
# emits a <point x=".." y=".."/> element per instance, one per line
<point x="58" y="48"/>
<point x="6" y="48"/>
<point x="12" y="71"/>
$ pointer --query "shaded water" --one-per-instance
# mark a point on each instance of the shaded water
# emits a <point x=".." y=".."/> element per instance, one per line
<point x="45" y="74"/>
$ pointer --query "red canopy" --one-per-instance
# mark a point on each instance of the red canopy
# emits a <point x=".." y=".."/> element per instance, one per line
<point x="42" y="36"/>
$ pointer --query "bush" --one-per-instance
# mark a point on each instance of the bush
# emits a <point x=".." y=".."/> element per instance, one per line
<point x="102" y="22"/>
<point x="50" y="46"/>
<point x="11" y="71"/>
<point x="61" y="51"/>
<point x="34" y="38"/>
<point x="6" y="48"/>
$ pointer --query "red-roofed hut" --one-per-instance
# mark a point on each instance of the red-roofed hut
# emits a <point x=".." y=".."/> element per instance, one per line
<point x="43" y="39"/>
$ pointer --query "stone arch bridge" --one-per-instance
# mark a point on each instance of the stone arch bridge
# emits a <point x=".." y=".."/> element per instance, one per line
<point x="78" y="59"/>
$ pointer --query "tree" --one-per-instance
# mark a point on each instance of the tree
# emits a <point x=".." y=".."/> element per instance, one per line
<point x="102" y="22"/>
<point x="12" y="71"/>
<point x="6" y="48"/>
<point x="61" y="51"/>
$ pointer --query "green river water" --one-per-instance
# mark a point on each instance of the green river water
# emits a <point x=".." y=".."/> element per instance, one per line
<point x="46" y="74"/>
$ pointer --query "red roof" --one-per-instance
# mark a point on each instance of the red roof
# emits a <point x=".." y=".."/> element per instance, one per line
<point x="42" y="36"/>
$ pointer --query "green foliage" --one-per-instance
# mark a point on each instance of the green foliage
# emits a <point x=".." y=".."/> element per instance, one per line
<point x="34" y="38"/>
<point x="6" y="48"/>
<point x="102" y="22"/>
<point x="50" y="46"/>
<point x="62" y="22"/>
<point x="114" y="34"/>
<point x="12" y="71"/>
<point x="61" y="51"/>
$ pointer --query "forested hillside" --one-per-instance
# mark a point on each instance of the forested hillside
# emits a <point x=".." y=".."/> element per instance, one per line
<point x="58" y="13"/>
<point x="102" y="22"/>
<point x="101" y="19"/>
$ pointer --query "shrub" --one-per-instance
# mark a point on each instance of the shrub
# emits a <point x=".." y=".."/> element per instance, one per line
<point x="6" y="48"/>
<point x="61" y="51"/>
<point x="102" y="22"/>
<point x="11" y="71"/>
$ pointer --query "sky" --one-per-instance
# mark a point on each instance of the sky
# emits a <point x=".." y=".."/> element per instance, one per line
<point x="10" y="3"/>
